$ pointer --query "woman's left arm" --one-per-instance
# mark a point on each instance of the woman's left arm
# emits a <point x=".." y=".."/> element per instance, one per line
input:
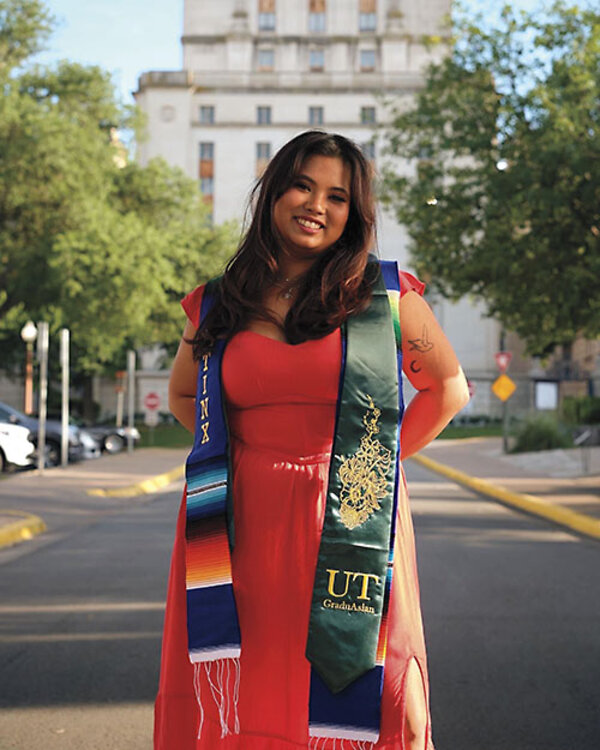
<point x="431" y="366"/>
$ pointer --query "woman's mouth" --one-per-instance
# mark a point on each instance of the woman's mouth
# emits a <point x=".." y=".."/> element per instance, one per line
<point x="308" y="225"/>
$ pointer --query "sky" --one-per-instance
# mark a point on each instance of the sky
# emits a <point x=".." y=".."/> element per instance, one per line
<point x="128" y="37"/>
<point x="125" y="37"/>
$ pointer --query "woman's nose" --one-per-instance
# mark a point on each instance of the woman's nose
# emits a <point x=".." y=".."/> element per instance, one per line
<point x="315" y="202"/>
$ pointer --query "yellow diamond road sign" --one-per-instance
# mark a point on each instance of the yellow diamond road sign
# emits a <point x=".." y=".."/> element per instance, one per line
<point x="503" y="387"/>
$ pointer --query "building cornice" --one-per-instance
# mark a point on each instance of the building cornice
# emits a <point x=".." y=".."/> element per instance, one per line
<point x="282" y="82"/>
<point x="369" y="128"/>
<point x="320" y="39"/>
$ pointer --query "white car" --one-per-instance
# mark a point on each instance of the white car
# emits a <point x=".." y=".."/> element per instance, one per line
<point x="15" y="445"/>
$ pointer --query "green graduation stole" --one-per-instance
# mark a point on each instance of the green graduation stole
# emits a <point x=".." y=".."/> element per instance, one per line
<point x="347" y="632"/>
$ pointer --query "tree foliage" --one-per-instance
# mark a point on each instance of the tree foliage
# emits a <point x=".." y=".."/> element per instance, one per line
<point x="24" y="27"/>
<point x="502" y="197"/>
<point x="88" y="241"/>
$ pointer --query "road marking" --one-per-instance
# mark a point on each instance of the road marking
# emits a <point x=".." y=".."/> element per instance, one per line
<point x="21" y="530"/>
<point x="28" y="609"/>
<point x="586" y="525"/>
<point x="146" y="487"/>
<point x="70" y="637"/>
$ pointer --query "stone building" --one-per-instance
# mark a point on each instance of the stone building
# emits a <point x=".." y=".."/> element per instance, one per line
<point x="257" y="72"/>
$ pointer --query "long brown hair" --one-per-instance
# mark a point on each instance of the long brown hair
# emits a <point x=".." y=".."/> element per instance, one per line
<point x="337" y="284"/>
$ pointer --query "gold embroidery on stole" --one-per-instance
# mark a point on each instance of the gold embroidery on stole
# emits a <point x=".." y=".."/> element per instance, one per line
<point x="364" y="474"/>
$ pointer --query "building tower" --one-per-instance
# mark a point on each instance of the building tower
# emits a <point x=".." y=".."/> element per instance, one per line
<point x="257" y="72"/>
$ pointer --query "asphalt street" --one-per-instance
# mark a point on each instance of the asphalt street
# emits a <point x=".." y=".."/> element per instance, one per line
<point x="510" y="607"/>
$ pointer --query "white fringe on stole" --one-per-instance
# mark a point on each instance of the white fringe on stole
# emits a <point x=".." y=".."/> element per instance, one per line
<point x="219" y="675"/>
<point x="320" y="743"/>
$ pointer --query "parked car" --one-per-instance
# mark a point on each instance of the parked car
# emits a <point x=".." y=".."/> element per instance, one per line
<point x="81" y="445"/>
<point x="107" y="437"/>
<point x="16" y="447"/>
<point x="110" y="438"/>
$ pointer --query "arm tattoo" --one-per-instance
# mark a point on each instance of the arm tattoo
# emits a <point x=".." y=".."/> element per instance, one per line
<point x="413" y="367"/>
<point x="422" y="344"/>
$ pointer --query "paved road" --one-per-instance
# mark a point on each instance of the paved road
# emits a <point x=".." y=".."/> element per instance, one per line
<point x="510" y="605"/>
<point x="512" y="618"/>
<point x="81" y="628"/>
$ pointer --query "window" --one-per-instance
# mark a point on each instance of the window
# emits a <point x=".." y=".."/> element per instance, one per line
<point x="263" y="155"/>
<point x="316" y="60"/>
<point x="367" y="22"/>
<point x="315" y="115"/>
<point x="207" y="151"/>
<point x="207" y="115"/>
<point x="266" y="15"/>
<point x="368" y="149"/>
<point x="207" y="186"/>
<point x="263" y="115"/>
<point x="266" y="21"/>
<point x="367" y="60"/>
<point x="367" y="115"/>
<point x="367" y="17"/>
<point x="266" y="59"/>
<point x="207" y="171"/>
<point x="316" y="16"/>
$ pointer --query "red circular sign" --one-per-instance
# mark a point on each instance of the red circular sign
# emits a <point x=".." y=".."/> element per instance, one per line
<point x="152" y="401"/>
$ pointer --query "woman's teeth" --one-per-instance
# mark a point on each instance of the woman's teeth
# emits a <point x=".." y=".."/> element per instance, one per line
<point x="309" y="224"/>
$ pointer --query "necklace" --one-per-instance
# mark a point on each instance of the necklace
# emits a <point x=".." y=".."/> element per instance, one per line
<point x="288" y="288"/>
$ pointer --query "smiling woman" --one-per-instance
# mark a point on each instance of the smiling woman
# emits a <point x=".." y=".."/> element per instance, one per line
<point x="293" y="616"/>
<point x="311" y="215"/>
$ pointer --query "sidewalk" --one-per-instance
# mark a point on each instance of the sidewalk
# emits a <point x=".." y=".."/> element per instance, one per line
<point x="560" y="485"/>
<point x="82" y="489"/>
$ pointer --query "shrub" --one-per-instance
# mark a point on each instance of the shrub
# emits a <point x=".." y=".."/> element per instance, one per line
<point x="541" y="432"/>
<point x="583" y="410"/>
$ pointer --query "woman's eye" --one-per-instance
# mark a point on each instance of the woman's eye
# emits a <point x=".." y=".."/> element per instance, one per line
<point x="301" y="186"/>
<point x="338" y="198"/>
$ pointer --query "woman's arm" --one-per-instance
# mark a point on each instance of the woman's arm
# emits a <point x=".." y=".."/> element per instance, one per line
<point x="182" y="383"/>
<point x="431" y="366"/>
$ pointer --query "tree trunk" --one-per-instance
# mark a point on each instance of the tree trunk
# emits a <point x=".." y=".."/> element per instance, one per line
<point x="88" y="405"/>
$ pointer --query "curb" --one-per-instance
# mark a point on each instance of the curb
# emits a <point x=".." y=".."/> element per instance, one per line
<point x="146" y="487"/>
<point x="579" y="522"/>
<point x="22" y="530"/>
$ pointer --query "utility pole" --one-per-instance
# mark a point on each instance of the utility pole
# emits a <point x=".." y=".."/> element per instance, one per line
<point x="42" y="353"/>
<point x="64" y="363"/>
<point x="130" y="398"/>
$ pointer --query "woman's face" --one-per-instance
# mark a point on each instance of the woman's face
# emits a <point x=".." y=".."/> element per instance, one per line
<point x="311" y="215"/>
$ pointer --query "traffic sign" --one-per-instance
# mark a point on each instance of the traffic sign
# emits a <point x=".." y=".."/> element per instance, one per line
<point x="503" y="387"/>
<point x="503" y="360"/>
<point x="152" y="401"/>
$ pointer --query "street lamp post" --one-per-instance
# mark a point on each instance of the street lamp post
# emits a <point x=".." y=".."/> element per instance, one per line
<point x="29" y="335"/>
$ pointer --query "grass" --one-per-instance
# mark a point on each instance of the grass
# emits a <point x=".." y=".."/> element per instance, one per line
<point x="453" y="432"/>
<point x="176" y="436"/>
<point x="164" y="436"/>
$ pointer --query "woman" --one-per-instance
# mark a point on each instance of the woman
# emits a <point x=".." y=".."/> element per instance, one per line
<point x="300" y="461"/>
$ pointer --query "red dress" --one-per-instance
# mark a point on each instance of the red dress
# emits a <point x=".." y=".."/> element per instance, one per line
<point x="281" y="401"/>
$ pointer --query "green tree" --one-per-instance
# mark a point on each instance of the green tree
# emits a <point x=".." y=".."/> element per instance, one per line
<point x="104" y="248"/>
<point x="502" y="196"/>
<point x="24" y="27"/>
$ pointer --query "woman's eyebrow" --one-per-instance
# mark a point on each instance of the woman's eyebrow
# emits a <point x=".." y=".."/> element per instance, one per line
<point x="310" y="179"/>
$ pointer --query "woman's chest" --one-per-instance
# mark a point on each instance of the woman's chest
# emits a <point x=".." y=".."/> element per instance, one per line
<point x="258" y="370"/>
